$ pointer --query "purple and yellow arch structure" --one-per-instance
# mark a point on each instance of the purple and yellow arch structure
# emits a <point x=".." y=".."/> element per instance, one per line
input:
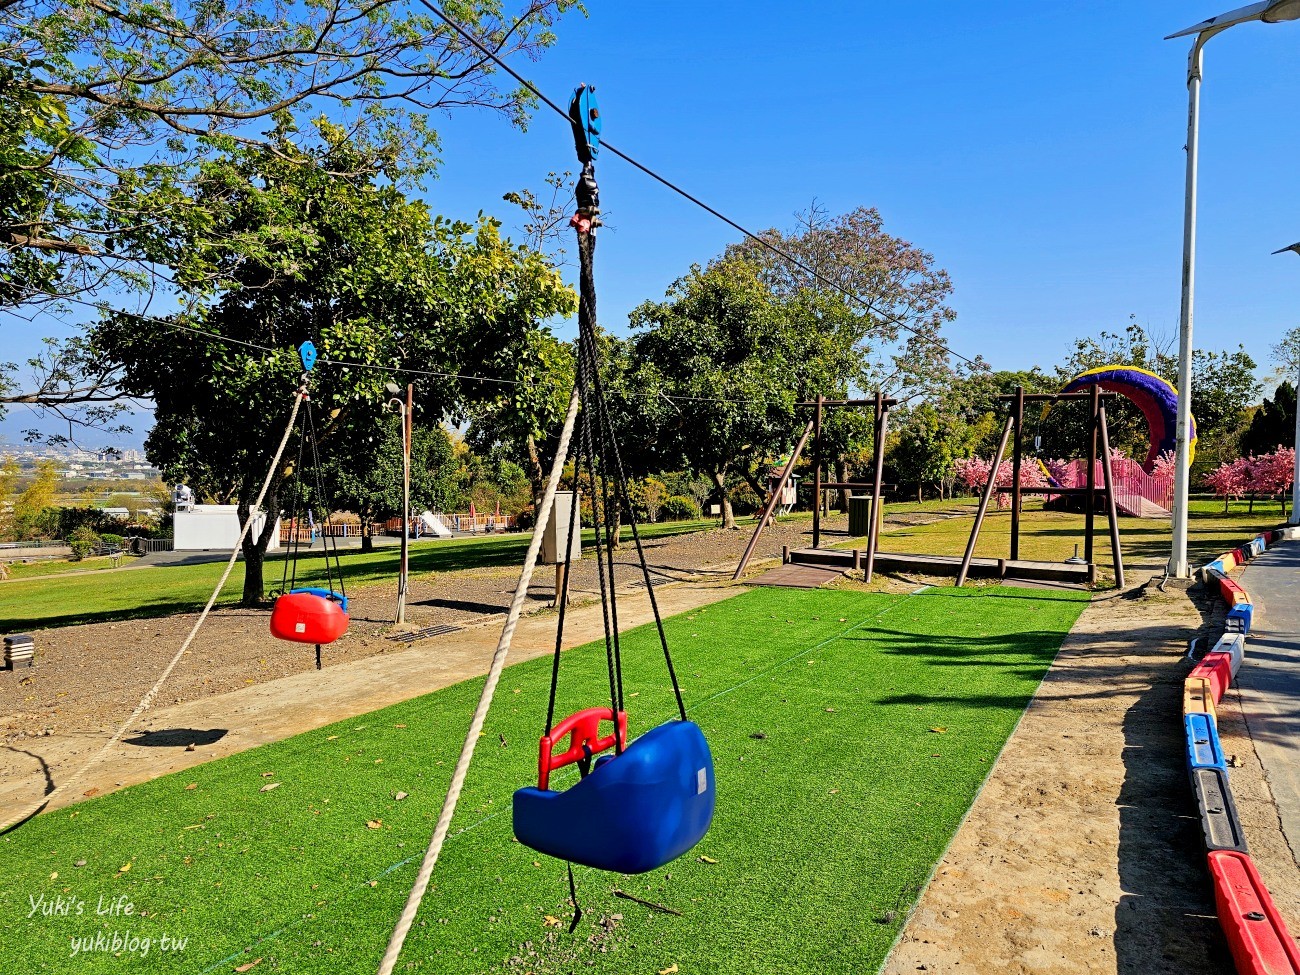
<point x="1156" y="398"/>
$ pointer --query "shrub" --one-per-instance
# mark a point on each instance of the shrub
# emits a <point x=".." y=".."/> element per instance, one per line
<point x="678" y="507"/>
<point x="82" y="541"/>
<point x="108" y="538"/>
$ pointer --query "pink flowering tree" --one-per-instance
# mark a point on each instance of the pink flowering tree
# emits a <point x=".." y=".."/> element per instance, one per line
<point x="1269" y="475"/>
<point x="974" y="473"/>
<point x="1163" y="465"/>
<point x="1272" y="474"/>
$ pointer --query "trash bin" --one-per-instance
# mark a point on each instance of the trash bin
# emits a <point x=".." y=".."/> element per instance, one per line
<point x="859" y="515"/>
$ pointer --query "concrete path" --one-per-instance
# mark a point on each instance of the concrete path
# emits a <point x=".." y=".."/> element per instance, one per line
<point x="1269" y="679"/>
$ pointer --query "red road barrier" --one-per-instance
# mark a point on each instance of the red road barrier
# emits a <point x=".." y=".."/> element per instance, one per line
<point x="1217" y="669"/>
<point x="1256" y="933"/>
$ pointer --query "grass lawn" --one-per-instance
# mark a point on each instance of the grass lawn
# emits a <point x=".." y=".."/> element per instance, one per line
<point x="45" y="567"/>
<point x="850" y="732"/>
<point x="163" y="590"/>
<point x="1050" y="536"/>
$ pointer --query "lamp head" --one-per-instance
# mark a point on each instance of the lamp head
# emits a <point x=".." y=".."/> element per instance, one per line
<point x="1255" y="11"/>
<point x="1281" y="10"/>
<point x="392" y="389"/>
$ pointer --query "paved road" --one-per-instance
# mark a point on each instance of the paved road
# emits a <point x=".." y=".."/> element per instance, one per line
<point x="1270" y="677"/>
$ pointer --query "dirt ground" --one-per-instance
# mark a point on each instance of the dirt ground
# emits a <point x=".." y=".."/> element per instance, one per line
<point x="1083" y="853"/>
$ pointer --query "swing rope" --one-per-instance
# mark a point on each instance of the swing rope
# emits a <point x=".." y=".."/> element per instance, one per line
<point x="148" y="699"/>
<point x="398" y="938"/>
<point x="329" y="545"/>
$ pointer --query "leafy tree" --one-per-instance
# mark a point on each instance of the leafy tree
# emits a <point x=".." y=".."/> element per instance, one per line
<point x="928" y="445"/>
<point x="32" y="508"/>
<point x="896" y="342"/>
<point x="109" y="112"/>
<point x="524" y="419"/>
<point x="894" y="345"/>
<point x="1273" y="424"/>
<point x="364" y="470"/>
<point x="320" y="246"/>
<point x="1223" y="385"/>
<point x="10" y="471"/>
<point x="719" y="367"/>
<point x="1286" y="355"/>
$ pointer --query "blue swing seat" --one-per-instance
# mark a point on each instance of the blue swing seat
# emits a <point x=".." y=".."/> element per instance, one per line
<point x="634" y="812"/>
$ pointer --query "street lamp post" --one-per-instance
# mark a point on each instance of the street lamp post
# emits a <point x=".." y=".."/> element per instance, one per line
<point x="404" y="409"/>
<point x="1295" y="472"/>
<point x="1266" y="11"/>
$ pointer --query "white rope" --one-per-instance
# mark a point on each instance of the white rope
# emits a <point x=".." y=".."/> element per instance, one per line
<point x="148" y="699"/>
<point x="485" y="700"/>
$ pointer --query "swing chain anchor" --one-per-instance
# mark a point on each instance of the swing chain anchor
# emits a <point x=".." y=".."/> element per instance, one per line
<point x="584" y="115"/>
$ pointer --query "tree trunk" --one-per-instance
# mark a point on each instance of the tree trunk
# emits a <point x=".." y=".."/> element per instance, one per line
<point x="841" y="475"/>
<point x="728" y="516"/>
<point x="536" y="474"/>
<point x="918" y="491"/>
<point x="254" y="550"/>
<point x="615" y="523"/>
<point x="367" y="534"/>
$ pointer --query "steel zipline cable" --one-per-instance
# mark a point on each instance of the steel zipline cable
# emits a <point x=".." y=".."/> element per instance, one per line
<point x="390" y="370"/>
<point x="756" y="238"/>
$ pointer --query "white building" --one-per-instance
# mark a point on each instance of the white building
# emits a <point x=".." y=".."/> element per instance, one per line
<point x="214" y="527"/>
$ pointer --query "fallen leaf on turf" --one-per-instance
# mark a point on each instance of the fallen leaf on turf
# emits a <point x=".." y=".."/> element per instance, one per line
<point x="374" y="824"/>
<point x="55" y="875"/>
<point x="844" y="619"/>
<point x="332" y="738"/>
<point x="267" y="775"/>
<point x="551" y="921"/>
<point x="249" y="965"/>
<point x="124" y="868"/>
<point x="835" y="792"/>
<point x="399" y="726"/>
<point x="401" y="795"/>
<point x="705" y="859"/>
<point x="269" y="786"/>
<point x="830" y="710"/>
<point x="670" y="970"/>
<point x="191" y="787"/>
<point x="939" y="730"/>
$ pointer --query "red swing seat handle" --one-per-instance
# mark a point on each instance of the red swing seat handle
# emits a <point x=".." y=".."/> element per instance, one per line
<point x="583" y="729"/>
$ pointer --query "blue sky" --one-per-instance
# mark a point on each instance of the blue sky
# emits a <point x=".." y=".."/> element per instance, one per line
<point x="1035" y="148"/>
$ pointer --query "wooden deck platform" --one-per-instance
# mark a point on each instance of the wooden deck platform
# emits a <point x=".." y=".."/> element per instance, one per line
<point x="842" y="559"/>
<point x="797" y="576"/>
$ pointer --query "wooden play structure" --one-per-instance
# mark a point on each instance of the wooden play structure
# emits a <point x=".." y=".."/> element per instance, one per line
<point x="1098" y="436"/>
<point x="1076" y="570"/>
<point x="880" y="405"/>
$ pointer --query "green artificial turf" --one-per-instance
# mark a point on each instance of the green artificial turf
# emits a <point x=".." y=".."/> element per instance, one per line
<point x="850" y="732"/>
<point x="146" y="592"/>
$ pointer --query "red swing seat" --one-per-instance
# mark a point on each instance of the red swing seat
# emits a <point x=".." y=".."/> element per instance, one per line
<point x="309" y="616"/>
